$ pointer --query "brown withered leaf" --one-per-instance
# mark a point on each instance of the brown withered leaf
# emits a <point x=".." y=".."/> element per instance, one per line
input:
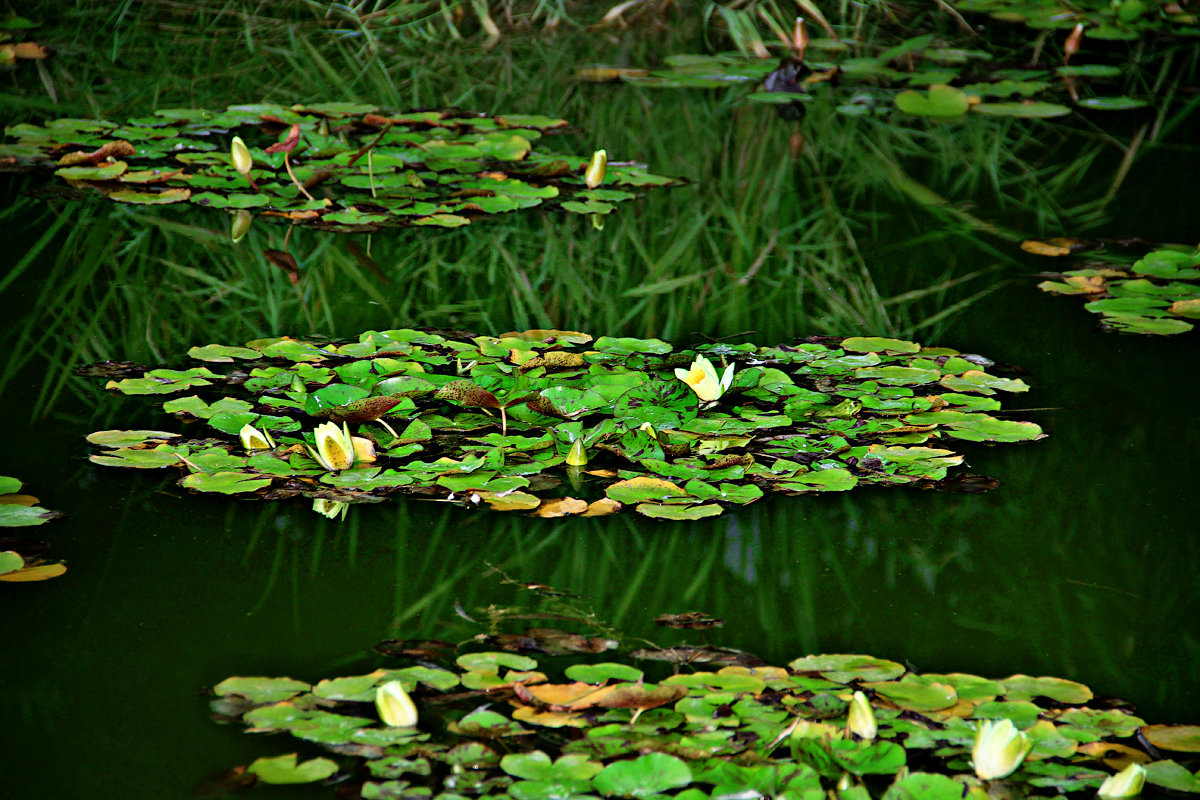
<point x="118" y="149"/>
<point x="687" y="654"/>
<point x="284" y="261"/>
<point x="633" y="695"/>
<point x="466" y="393"/>
<point x="551" y="719"/>
<point x="32" y="50"/>
<point x="1057" y="246"/>
<point x="743" y="460"/>
<point x="288" y="144"/>
<point x="689" y="620"/>
<point x="223" y="783"/>
<point x="366" y="262"/>
<point x="558" y="642"/>
<point x="366" y="409"/>
<point x="564" y="696"/>
<point x="602" y="507"/>
<point x="426" y="649"/>
<point x="563" y="507"/>
<point x="602" y="74"/>
<point x="553" y="359"/>
<point x="963" y="483"/>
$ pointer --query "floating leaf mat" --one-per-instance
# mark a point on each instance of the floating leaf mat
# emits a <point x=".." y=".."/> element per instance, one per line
<point x="1157" y="295"/>
<point x="555" y="423"/>
<point x="920" y="76"/>
<point x="495" y="725"/>
<point x="364" y="167"/>
<point x="1104" y="19"/>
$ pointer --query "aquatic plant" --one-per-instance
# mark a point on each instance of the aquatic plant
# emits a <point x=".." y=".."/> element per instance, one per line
<point x="21" y="559"/>
<point x="509" y="421"/>
<point x="501" y="726"/>
<point x="920" y="76"/>
<point x="1156" y="295"/>
<point x="368" y="167"/>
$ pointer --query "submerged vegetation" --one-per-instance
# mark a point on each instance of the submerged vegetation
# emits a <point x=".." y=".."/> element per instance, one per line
<point x="533" y="420"/>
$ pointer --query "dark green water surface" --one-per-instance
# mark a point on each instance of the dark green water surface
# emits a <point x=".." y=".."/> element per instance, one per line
<point x="1081" y="565"/>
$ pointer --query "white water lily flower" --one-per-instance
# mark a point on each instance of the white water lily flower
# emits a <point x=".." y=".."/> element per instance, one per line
<point x="861" y="719"/>
<point x="255" y="439"/>
<point x="335" y="449"/>
<point x="395" y="706"/>
<point x="594" y="176"/>
<point x="999" y="749"/>
<point x="1126" y="783"/>
<point x="330" y="508"/>
<point x="703" y="379"/>
<point x="242" y="160"/>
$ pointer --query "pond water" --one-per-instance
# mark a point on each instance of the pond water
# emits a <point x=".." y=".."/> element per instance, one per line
<point x="1081" y="564"/>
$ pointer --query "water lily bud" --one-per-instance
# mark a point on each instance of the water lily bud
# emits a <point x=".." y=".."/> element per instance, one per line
<point x="999" y="749"/>
<point x="595" y="171"/>
<point x="861" y="719"/>
<point x="1126" y="783"/>
<point x="241" y="223"/>
<point x="648" y="428"/>
<point x="330" y="508"/>
<point x="799" y="38"/>
<point x="242" y="161"/>
<point x="845" y="783"/>
<point x="577" y="457"/>
<point x="1071" y="46"/>
<point x="254" y="439"/>
<point x="395" y="706"/>
<point x="597" y="221"/>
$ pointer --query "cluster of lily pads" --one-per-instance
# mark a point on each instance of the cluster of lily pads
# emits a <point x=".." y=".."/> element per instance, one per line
<point x="1158" y="294"/>
<point x="555" y="423"/>
<point x="1104" y="19"/>
<point x="914" y="76"/>
<point x="21" y="559"/>
<point x="343" y="166"/>
<point x="493" y="724"/>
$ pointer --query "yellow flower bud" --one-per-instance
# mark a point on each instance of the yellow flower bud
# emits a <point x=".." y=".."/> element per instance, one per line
<point x="595" y="171"/>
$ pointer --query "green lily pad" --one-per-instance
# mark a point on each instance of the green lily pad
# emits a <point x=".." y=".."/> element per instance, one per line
<point x="846" y="668"/>
<point x="284" y="769"/>
<point x="225" y="482"/>
<point x="940" y="101"/>
<point x="643" y="776"/>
